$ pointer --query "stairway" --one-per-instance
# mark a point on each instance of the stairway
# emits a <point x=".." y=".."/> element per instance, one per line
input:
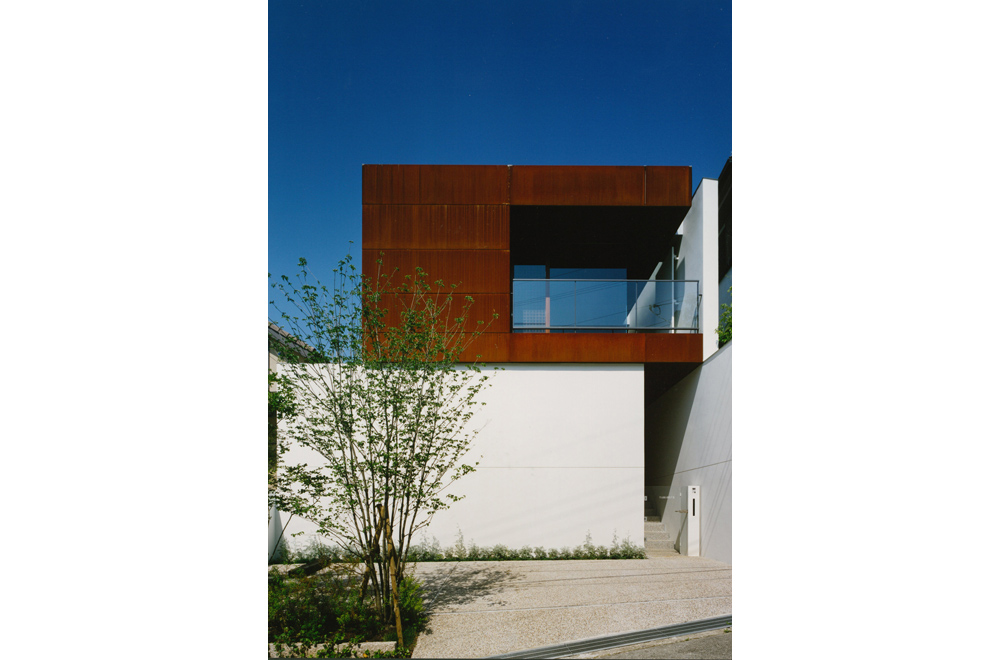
<point x="658" y="542"/>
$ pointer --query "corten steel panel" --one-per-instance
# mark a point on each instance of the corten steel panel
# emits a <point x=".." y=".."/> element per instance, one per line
<point x="572" y="185"/>
<point x="474" y="271"/>
<point x="582" y="348"/>
<point x="417" y="226"/>
<point x="668" y="186"/>
<point x="532" y="347"/>
<point x="482" y="309"/>
<point x="489" y="347"/>
<point x="434" y="184"/>
<point x="674" y="348"/>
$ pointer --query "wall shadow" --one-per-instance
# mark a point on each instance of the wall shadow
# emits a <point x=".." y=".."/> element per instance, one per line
<point x="666" y="419"/>
<point x="463" y="583"/>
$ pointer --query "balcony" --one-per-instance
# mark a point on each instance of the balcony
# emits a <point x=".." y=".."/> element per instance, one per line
<point x="605" y="305"/>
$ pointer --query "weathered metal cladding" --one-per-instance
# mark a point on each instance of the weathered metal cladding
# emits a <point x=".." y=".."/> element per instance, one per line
<point x="453" y="221"/>
<point x="473" y="271"/>
<point x="668" y="186"/>
<point x="434" y="184"/>
<point x="488" y="347"/>
<point x="437" y="227"/>
<point x="574" y="185"/>
<point x="483" y="307"/>
<point x="674" y="348"/>
<point x="560" y="185"/>
<point x="531" y="347"/>
<point x="596" y="348"/>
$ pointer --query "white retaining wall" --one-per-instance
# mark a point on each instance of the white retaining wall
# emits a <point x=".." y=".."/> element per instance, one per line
<point x="698" y="259"/>
<point x="560" y="453"/>
<point x="690" y="438"/>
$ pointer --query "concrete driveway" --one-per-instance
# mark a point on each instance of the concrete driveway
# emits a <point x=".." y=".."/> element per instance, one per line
<point x="480" y="609"/>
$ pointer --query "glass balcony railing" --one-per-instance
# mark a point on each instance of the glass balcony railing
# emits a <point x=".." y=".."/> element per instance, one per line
<point x="545" y="305"/>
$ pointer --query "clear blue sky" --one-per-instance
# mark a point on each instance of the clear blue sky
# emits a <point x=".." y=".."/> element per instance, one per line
<point x="546" y="83"/>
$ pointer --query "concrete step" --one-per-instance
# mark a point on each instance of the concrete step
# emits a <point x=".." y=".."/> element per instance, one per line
<point x="659" y="545"/>
<point x="657" y="536"/>
<point x="652" y="518"/>
<point x="654" y="526"/>
<point x="654" y="554"/>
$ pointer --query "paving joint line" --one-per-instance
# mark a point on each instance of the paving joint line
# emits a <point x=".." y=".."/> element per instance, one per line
<point x="567" y="607"/>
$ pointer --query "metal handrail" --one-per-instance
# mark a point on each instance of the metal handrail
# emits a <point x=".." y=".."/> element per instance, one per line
<point x="580" y="279"/>
<point x="631" y="310"/>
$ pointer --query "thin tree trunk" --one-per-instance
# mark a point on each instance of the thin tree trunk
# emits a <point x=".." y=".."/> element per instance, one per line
<point x="370" y="560"/>
<point x="395" y="585"/>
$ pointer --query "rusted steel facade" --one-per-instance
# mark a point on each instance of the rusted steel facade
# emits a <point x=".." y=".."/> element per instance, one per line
<point x="454" y="222"/>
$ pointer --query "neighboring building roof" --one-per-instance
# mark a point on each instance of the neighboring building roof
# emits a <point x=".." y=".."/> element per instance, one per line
<point x="278" y="336"/>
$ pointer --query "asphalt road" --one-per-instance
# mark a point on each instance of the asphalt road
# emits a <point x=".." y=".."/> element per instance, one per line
<point x="707" y="646"/>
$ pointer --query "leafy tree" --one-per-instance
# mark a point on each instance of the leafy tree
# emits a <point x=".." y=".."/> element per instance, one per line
<point x="725" y="329"/>
<point x="383" y="404"/>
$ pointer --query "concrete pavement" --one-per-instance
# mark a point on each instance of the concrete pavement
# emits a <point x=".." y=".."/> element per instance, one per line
<point x="480" y="609"/>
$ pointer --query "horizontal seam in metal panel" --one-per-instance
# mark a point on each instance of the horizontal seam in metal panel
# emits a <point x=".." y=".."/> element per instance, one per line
<point x="623" y="639"/>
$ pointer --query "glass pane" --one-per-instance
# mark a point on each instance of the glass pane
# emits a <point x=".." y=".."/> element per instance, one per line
<point x="686" y="297"/>
<point x="562" y="304"/>
<point x="601" y="304"/>
<point x="529" y="304"/>
<point x="605" y="305"/>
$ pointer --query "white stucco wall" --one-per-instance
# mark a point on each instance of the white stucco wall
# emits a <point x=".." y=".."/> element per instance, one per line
<point x="698" y="258"/>
<point x="689" y="431"/>
<point x="560" y="453"/>
<point x="274" y="524"/>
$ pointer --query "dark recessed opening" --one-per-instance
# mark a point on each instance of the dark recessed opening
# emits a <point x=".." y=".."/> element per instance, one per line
<point x="635" y="238"/>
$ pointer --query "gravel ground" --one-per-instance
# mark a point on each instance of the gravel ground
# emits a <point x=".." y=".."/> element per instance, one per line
<point x="487" y="608"/>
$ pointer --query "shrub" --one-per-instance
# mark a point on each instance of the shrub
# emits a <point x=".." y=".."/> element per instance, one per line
<point x="625" y="549"/>
<point x="280" y="554"/>
<point x="562" y="553"/>
<point x="317" y="551"/>
<point x="619" y="549"/>
<point x="324" y="609"/>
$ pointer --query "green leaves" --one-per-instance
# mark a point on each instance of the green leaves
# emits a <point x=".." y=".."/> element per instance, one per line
<point x="377" y="402"/>
<point x="725" y="329"/>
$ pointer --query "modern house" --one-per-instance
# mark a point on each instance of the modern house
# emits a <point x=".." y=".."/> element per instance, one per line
<point x="614" y="396"/>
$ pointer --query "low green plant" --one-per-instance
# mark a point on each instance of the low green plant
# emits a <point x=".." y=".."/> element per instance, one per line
<point x="625" y="549"/>
<point x="325" y="610"/>
<point x="318" y="551"/>
<point x="281" y="554"/>
<point x="619" y="549"/>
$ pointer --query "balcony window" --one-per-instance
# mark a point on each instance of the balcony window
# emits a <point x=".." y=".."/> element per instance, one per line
<point x="594" y="300"/>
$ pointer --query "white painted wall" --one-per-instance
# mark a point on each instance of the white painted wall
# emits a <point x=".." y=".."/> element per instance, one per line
<point x="561" y="453"/>
<point x="273" y="533"/>
<point x="689" y="432"/>
<point x="698" y="259"/>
